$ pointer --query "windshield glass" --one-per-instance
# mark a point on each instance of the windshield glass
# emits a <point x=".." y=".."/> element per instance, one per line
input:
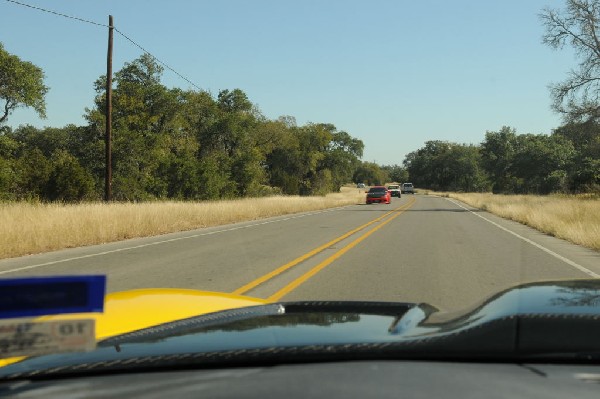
<point x="226" y="148"/>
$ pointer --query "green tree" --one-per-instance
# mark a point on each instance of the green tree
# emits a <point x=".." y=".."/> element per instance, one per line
<point x="425" y="166"/>
<point x="535" y="163"/>
<point x="342" y="159"/>
<point x="189" y="145"/>
<point x="441" y="165"/>
<point x="314" y="140"/>
<point x="285" y="167"/>
<point x="371" y="174"/>
<point x="234" y="134"/>
<point x="48" y="140"/>
<point x="497" y="154"/>
<point x="68" y="181"/>
<point x="215" y="177"/>
<point x="145" y="115"/>
<point x="586" y="178"/>
<point x="229" y="136"/>
<point x="86" y="143"/>
<point x="585" y="137"/>
<point x="21" y="84"/>
<point x="8" y="175"/>
<point x="234" y="101"/>
<point x="33" y="171"/>
<point x="38" y="145"/>
<point x="585" y="172"/>
<point x="294" y="163"/>
<point x="396" y="173"/>
<point x="541" y="163"/>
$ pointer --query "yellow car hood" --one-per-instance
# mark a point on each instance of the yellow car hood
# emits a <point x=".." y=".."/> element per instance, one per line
<point x="136" y="309"/>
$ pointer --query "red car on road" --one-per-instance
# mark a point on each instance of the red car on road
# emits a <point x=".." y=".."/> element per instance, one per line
<point x="378" y="194"/>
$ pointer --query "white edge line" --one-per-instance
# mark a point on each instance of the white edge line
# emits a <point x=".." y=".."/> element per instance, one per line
<point x="166" y="241"/>
<point x="535" y="244"/>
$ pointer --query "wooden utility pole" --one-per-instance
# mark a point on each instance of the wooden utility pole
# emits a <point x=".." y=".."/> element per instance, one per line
<point x="108" y="133"/>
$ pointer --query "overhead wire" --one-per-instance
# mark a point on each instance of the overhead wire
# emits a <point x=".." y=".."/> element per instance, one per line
<point x="57" y="13"/>
<point x="107" y="26"/>
<point x="156" y="58"/>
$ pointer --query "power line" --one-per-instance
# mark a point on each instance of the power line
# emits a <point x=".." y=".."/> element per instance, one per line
<point x="106" y="26"/>
<point x="157" y="59"/>
<point x="57" y="13"/>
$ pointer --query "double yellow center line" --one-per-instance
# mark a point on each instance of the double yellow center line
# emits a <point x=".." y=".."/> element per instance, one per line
<point x="297" y="282"/>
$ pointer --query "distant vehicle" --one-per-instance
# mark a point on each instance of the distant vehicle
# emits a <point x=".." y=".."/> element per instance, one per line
<point x="394" y="190"/>
<point x="378" y="194"/>
<point x="360" y="185"/>
<point x="407" y="188"/>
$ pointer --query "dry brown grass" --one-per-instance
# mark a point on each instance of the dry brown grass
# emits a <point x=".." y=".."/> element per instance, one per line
<point x="33" y="228"/>
<point x="572" y="218"/>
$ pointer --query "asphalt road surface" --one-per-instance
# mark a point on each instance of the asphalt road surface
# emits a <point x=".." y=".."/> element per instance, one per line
<point x="416" y="249"/>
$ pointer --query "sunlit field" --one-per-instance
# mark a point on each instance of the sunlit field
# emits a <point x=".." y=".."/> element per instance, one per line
<point x="28" y="228"/>
<point x="572" y="218"/>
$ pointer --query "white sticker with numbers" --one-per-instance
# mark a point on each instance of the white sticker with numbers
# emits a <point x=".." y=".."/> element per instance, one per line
<point x="27" y="338"/>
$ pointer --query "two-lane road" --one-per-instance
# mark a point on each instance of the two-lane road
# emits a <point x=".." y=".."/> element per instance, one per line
<point x="417" y="249"/>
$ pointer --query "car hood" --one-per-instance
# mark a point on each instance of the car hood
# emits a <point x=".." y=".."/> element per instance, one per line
<point x="558" y="319"/>
<point x="133" y="310"/>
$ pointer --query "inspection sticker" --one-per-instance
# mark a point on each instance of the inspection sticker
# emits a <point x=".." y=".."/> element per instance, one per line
<point x="27" y="338"/>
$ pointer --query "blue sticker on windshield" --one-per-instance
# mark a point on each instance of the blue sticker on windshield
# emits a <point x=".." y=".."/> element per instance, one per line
<point x="37" y="296"/>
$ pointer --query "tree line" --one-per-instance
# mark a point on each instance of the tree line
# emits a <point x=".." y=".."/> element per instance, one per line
<point x="566" y="161"/>
<point x="170" y="143"/>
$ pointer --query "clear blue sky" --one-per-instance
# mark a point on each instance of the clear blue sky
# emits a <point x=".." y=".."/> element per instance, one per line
<point x="393" y="73"/>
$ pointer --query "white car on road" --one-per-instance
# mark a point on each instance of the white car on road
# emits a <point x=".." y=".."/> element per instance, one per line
<point x="394" y="190"/>
<point x="407" y="188"/>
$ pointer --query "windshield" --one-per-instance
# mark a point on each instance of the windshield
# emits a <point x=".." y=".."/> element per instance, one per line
<point x="225" y="147"/>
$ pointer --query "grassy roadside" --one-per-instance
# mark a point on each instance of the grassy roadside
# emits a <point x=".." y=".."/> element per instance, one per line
<point x="33" y="228"/>
<point x="572" y="218"/>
